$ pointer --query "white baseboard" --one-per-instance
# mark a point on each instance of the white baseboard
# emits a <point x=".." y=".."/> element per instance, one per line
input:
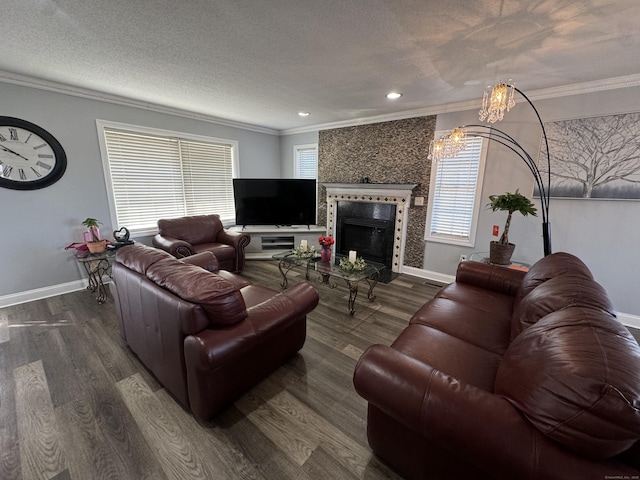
<point x="428" y="275"/>
<point x="40" y="293"/>
<point x="629" y="320"/>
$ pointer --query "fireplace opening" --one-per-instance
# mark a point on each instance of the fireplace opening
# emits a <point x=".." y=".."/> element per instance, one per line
<point x="367" y="228"/>
<point x="366" y="236"/>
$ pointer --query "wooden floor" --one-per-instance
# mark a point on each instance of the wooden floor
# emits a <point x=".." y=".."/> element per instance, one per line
<point x="76" y="404"/>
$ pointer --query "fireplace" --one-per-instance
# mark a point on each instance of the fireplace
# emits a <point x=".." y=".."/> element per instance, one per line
<point x="366" y="228"/>
<point x="371" y="219"/>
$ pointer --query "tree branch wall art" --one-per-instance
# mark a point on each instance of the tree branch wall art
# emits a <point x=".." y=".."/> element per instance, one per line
<point x="597" y="157"/>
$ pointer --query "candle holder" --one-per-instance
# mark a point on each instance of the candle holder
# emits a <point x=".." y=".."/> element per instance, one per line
<point x="357" y="266"/>
<point x="308" y="252"/>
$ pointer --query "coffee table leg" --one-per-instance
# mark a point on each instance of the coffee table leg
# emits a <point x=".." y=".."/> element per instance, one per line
<point x="353" y="294"/>
<point x="372" y="281"/>
<point x="284" y="268"/>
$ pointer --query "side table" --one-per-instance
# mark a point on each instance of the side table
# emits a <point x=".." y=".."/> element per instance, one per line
<point x="97" y="265"/>
<point x="483" y="257"/>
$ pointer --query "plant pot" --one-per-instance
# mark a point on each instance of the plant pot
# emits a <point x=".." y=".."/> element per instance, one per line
<point x="325" y="254"/>
<point x="97" y="247"/>
<point x="500" y="254"/>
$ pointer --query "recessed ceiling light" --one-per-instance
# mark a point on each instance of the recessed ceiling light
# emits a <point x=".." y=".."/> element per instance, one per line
<point x="393" y="95"/>
<point x="304" y="114"/>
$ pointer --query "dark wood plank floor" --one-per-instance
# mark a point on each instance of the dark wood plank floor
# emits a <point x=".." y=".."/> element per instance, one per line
<point x="75" y="403"/>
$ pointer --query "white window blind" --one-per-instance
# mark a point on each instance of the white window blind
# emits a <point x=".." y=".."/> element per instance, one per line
<point x="454" y="195"/>
<point x="154" y="176"/>
<point x="306" y="161"/>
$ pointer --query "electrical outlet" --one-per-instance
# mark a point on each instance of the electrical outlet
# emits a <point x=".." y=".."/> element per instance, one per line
<point x="463" y="257"/>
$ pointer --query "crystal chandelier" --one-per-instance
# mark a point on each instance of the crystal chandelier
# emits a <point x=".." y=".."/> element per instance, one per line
<point x="496" y="100"/>
<point x="449" y="145"/>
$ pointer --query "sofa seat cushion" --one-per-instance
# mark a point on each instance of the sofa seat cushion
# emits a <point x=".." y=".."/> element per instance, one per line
<point x="489" y="301"/>
<point x="220" y="298"/>
<point x="574" y="375"/>
<point x="222" y="252"/>
<point x="489" y="330"/>
<point x="449" y="355"/>
<point x="558" y="293"/>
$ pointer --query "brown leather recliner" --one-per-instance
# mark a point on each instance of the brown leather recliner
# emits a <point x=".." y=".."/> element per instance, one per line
<point x="507" y="375"/>
<point x="186" y="236"/>
<point x="208" y="336"/>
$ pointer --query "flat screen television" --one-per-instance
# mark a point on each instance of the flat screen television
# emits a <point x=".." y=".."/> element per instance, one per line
<point x="274" y="201"/>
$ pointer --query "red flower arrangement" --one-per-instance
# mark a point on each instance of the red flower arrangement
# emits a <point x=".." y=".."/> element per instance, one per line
<point x="326" y="241"/>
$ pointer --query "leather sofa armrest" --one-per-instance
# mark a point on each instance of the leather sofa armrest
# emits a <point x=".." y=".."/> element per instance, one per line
<point x="490" y="277"/>
<point x="464" y="419"/>
<point x="296" y="301"/>
<point x="176" y="247"/>
<point x="238" y="240"/>
<point x="206" y="260"/>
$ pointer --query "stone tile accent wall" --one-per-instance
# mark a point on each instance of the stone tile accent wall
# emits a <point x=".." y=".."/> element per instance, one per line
<point x="386" y="152"/>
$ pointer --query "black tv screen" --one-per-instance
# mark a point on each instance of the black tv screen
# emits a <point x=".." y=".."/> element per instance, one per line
<point x="274" y="201"/>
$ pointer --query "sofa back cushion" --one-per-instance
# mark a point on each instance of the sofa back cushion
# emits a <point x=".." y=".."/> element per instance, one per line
<point x="195" y="230"/>
<point x="551" y="266"/>
<point x="574" y="375"/>
<point x="220" y="298"/>
<point x="555" y="294"/>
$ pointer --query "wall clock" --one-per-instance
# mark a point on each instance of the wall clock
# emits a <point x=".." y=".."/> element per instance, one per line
<point x="30" y="157"/>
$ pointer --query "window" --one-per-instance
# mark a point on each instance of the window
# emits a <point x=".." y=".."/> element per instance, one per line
<point x="454" y="195"/>
<point x="154" y="174"/>
<point x="305" y="159"/>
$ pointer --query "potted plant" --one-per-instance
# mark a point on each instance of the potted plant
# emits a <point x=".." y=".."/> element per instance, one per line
<point x="500" y="251"/>
<point x="95" y="244"/>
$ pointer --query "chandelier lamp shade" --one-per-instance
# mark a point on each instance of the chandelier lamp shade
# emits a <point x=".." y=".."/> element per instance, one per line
<point x="495" y="102"/>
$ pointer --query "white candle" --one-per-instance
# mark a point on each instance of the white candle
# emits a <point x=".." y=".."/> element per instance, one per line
<point x="352" y="256"/>
<point x="303" y="245"/>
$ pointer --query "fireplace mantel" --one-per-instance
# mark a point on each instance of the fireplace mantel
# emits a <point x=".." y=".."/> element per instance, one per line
<point x="398" y="194"/>
<point x="392" y="189"/>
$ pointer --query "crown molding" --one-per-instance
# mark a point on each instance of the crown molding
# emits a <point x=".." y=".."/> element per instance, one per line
<point x="50" y="86"/>
<point x="615" y="83"/>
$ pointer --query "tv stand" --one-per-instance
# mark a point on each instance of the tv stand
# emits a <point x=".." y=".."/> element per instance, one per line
<point x="267" y="240"/>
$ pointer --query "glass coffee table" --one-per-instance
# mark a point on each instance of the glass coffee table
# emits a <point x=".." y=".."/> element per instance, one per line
<point x="327" y="272"/>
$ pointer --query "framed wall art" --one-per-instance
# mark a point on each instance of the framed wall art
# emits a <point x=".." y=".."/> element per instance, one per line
<point x="595" y="157"/>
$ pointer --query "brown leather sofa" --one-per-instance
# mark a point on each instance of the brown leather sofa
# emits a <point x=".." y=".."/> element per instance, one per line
<point x="507" y="375"/>
<point x="186" y="236"/>
<point x="207" y="335"/>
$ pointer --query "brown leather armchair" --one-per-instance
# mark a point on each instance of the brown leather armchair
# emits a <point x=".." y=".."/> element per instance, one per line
<point x="207" y="335"/>
<point x="186" y="236"/>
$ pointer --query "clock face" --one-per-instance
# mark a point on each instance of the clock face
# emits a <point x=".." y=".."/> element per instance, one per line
<point x="30" y="157"/>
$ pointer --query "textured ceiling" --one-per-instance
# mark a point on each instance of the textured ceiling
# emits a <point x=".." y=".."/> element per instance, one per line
<point x="260" y="62"/>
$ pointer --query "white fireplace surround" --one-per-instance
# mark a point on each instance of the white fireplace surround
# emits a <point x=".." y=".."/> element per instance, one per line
<point x="394" y="193"/>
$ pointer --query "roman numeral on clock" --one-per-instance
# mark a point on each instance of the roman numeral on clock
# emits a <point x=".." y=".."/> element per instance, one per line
<point x="44" y="155"/>
<point x="13" y="133"/>
<point x="36" y="172"/>
<point x="23" y="176"/>
<point x="43" y="165"/>
<point x="2" y="138"/>
<point x="6" y="171"/>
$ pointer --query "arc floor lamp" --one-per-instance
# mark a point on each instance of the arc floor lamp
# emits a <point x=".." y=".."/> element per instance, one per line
<point x="495" y="102"/>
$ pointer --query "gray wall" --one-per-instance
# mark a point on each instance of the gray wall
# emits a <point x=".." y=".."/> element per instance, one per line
<point x="37" y="225"/>
<point x="287" y="142"/>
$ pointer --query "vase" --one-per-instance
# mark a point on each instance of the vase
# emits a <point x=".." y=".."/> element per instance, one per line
<point x="325" y="254"/>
